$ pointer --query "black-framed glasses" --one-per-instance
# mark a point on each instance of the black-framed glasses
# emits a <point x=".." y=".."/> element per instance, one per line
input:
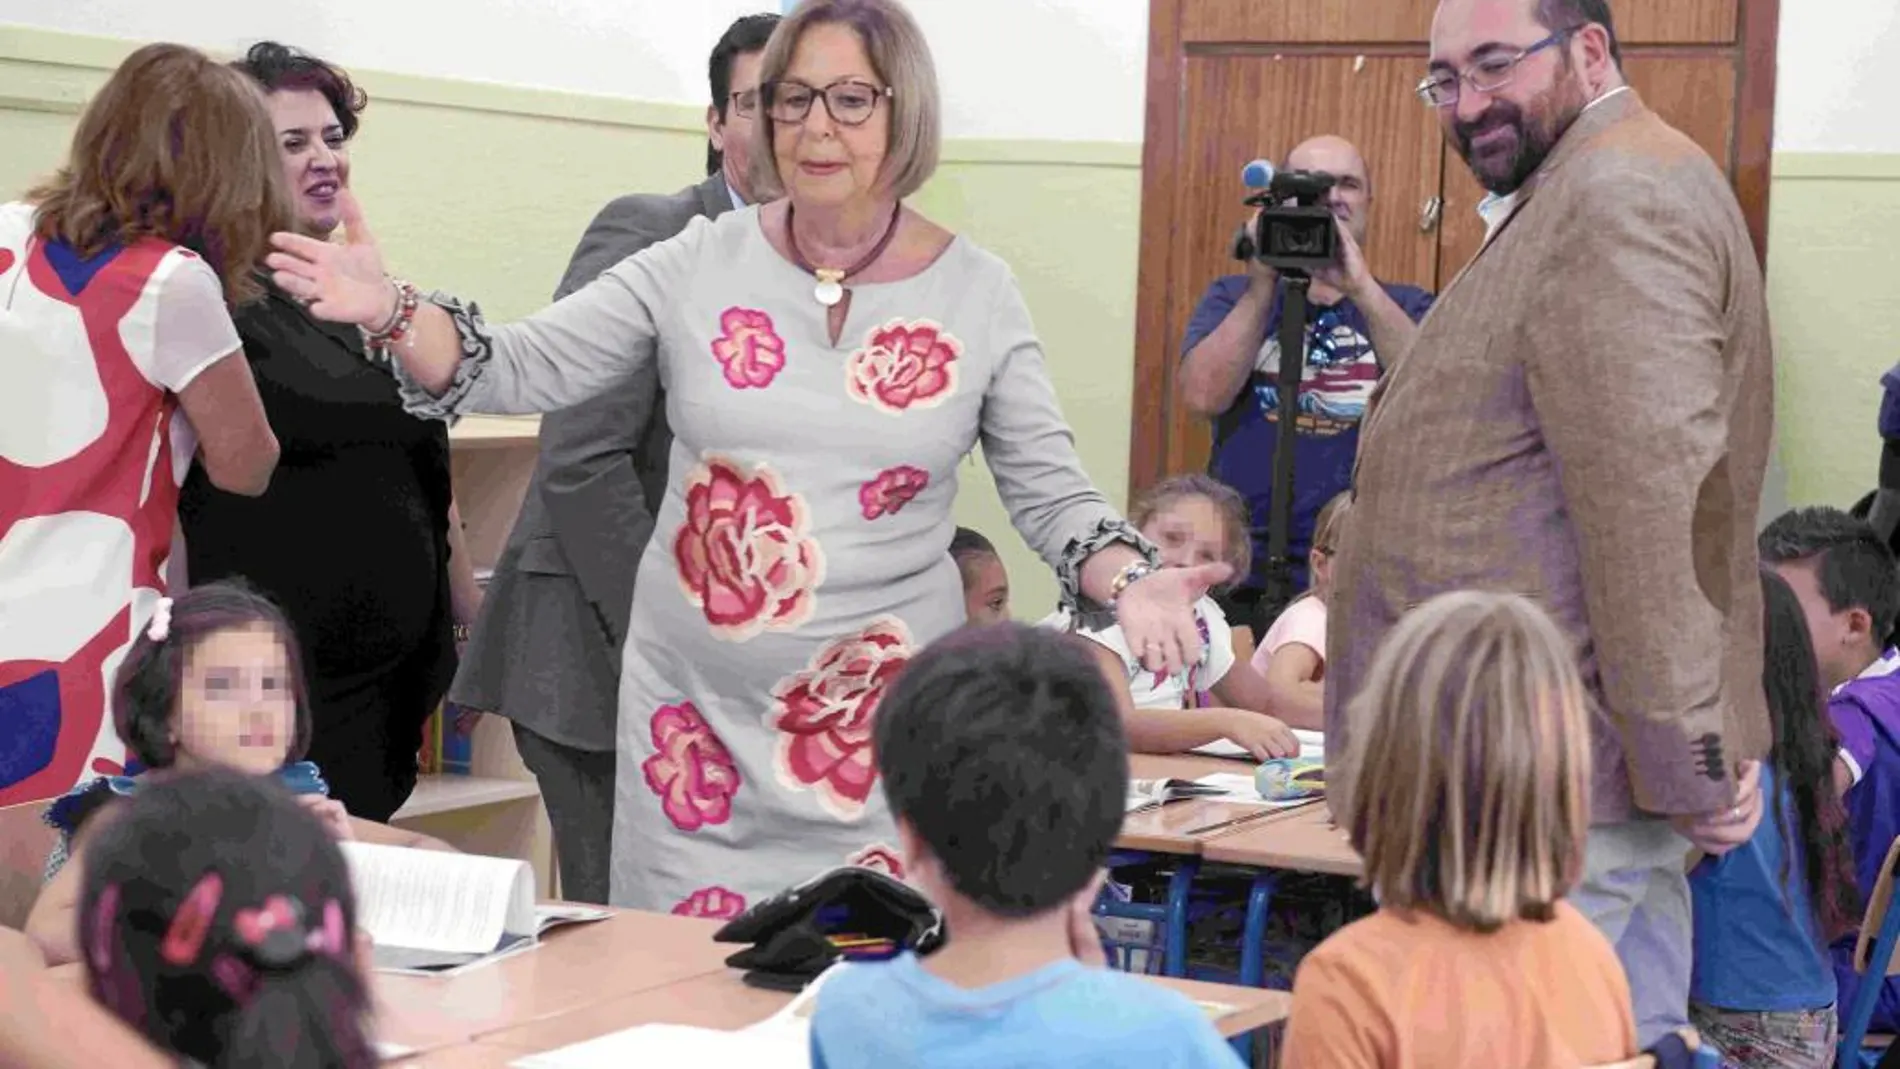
<point x="849" y="102"/>
<point x="745" y="103"/>
<point x="1441" y="89"/>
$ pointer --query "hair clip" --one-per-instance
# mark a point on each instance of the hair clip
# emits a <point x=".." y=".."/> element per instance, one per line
<point x="185" y="936"/>
<point x="161" y="626"/>
<point x="273" y="934"/>
<point x="329" y="938"/>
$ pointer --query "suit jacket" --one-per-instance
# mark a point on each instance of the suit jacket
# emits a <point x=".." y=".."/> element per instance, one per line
<point x="546" y="651"/>
<point x="1585" y="419"/>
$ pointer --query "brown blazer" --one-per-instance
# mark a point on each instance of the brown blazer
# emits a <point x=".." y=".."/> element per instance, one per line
<point x="1585" y="419"/>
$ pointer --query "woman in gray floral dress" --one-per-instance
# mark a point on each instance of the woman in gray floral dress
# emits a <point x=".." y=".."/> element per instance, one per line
<point x="819" y="414"/>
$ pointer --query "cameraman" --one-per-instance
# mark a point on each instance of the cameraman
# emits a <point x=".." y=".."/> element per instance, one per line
<point x="1358" y="326"/>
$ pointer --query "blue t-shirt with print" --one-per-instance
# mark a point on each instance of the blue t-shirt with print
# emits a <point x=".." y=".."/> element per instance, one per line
<point x="1757" y="945"/>
<point x="1341" y="370"/>
<point x="878" y="1016"/>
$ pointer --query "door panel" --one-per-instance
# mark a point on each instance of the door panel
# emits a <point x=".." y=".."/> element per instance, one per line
<point x="1694" y="94"/>
<point x="1269" y="105"/>
<point x="1293" y="21"/>
<point x="1674" y="22"/>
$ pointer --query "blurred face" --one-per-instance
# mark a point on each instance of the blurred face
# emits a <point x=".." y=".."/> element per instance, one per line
<point x="316" y="157"/>
<point x="985" y="590"/>
<point x="732" y="135"/>
<point x="823" y="159"/>
<point x="1351" y="196"/>
<point x="1843" y="641"/>
<point x="235" y="707"/>
<point x="1505" y="134"/>
<point x="1189" y="532"/>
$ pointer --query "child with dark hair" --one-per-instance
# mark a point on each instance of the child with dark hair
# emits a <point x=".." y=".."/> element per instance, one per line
<point x="985" y="581"/>
<point x="214" y="681"/>
<point x="1763" y="990"/>
<point x="1848" y="585"/>
<point x="1002" y="756"/>
<point x="218" y="920"/>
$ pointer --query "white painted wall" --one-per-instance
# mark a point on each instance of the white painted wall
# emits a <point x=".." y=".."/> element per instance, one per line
<point x="1011" y="69"/>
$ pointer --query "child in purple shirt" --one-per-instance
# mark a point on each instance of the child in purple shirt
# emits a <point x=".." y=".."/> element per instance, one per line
<point x="1849" y="586"/>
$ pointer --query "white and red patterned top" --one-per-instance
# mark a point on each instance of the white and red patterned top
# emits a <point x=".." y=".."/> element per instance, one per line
<point x="93" y="353"/>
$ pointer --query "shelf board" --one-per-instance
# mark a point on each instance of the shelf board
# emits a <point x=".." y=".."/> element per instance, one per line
<point x="491" y="432"/>
<point x="444" y="793"/>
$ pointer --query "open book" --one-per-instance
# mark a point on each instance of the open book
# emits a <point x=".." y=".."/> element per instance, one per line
<point x="435" y="912"/>
<point x="1312" y="746"/>
<point x="1148" y="793"/>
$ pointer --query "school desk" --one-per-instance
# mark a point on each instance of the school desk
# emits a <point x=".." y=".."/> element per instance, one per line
<point x="722" y="1000"/>
<point x="1307" y="841"/>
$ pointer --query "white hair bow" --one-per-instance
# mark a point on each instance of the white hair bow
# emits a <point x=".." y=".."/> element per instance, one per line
<point x="161" y="626"/>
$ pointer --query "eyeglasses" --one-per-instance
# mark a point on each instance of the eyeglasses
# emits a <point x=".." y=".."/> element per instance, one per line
<point x="744" y="103"/>
<point x="1441" y="89"/>
<point x="850" y="103"/>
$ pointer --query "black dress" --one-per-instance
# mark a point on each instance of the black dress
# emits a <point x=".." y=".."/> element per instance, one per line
<point x="351" y="540"/>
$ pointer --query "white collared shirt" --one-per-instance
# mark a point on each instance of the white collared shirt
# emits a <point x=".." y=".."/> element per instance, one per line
<point x="737" y="200"/>
<point x="1495" y="209"/>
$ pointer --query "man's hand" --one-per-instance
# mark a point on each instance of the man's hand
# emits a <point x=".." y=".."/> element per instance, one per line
<point x="1260" y="275"/>
<point x="1348" y="274"/>
<point x="1719" y="832"/>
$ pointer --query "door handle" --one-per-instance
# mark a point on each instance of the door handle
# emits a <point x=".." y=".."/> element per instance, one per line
<point x="1430" y="214"/>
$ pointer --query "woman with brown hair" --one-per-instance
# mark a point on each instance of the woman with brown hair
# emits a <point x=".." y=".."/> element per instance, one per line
<point x="373" y="600"/>
<point x="115" y="276"/>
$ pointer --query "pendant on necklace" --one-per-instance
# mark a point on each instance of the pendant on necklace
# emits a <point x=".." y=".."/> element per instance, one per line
<point x="830" y="287"/>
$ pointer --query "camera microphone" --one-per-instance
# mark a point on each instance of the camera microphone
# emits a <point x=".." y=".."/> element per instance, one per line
<point x="1257" y="175"/>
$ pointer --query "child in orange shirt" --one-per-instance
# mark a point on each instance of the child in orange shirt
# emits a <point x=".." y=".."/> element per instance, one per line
<point x="1466" y="790"/>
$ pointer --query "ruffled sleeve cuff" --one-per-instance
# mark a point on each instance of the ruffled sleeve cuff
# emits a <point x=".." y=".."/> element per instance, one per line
<point x="477" y="350"/>
<point x="1106" y="532"/>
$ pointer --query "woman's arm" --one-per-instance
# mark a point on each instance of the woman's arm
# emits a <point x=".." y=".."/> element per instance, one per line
<point x="51" y="1023"/>
<point x="235" y="442"/>
<point x="448" y="361"/>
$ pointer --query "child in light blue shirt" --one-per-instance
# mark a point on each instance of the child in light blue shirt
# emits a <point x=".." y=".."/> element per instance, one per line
<point x="1001" y="752"/>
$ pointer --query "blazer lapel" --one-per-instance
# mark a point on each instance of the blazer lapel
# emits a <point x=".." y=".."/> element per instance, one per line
<point x="713" y="195"/>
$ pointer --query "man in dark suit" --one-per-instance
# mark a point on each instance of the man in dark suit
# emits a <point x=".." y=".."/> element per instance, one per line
<point x="546" y="651"/>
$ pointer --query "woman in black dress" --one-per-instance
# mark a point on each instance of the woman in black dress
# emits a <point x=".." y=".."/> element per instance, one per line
<point x="357" y="537"/>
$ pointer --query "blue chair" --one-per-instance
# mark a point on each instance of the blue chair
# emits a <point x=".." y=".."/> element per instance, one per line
<point x="1873" y="962"/>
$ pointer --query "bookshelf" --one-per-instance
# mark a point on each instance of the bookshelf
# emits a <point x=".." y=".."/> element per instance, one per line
<point x="496" y="807"/>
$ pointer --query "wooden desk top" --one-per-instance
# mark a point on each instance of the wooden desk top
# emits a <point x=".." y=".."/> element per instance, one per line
<point x="724" y="1001"/>
<point x="1164" y="830"/>
<point x="573" y="967"/>
<point x="1305" y="841"/>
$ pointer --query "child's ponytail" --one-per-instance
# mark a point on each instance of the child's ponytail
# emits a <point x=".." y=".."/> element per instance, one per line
<point x="300" y="1019"/>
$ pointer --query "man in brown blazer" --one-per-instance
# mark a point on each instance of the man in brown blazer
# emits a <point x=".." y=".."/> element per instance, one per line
<point x="1584" y="418"/>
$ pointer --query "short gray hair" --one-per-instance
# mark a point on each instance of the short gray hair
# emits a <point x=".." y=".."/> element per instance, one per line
<point x="899" y="56"/>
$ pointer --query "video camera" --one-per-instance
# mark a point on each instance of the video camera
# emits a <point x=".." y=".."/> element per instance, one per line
<point x="1294" y="231"/>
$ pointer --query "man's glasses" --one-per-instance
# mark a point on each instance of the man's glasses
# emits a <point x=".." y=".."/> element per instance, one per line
<point x="745" y="103"/>
<point x="850" y="103"/>
<point x="1441" y="89"/>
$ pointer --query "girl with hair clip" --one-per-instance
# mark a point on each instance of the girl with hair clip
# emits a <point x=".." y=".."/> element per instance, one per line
<point x="1466" y="790"/>
<point x="1763" y="989"/>
<point x="1194" y="521"/>
<point x="215" y="681"/>
<point x="218" y="921"/>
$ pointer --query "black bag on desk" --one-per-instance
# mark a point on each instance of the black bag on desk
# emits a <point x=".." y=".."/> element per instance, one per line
<point x="788" y="931"/>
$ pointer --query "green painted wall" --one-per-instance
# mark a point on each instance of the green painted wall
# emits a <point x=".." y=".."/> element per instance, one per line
<point x="482" y="190"/>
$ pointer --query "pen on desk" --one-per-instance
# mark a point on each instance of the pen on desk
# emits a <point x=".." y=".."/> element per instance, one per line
<point x="1218" y="825"/>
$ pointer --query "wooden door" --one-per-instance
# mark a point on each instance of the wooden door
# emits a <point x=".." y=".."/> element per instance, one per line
<point x="1231" y="80"/>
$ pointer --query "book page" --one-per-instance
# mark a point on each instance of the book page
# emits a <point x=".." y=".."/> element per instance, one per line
<point x="432" y="901"/>
<point x="1312" y="746"/>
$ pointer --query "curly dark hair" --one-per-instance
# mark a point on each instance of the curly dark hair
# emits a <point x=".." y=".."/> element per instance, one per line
<point x="278" y="67"/>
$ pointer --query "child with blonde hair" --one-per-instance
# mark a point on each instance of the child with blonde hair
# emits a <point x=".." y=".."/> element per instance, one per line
<point x="1193" y="520"/>
<point x="1292" y="654"/>
<point x="1466" y="789"/>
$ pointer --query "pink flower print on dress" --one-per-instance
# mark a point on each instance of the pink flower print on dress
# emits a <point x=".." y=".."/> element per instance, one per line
<point x="825" y="712"/>
<point x="716" y="902"/>
<point x="891" y="490"/>
<point x="749" y="348"/>
<point x="692" y="771"/>
<point x="880" y="857"/>
<point x="745" y="558"/>
<point x="903" y="366"/>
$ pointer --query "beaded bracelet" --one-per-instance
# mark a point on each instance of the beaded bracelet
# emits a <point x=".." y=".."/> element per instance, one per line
<point x="399" y="322"/>
<point x="1130" y="573"/>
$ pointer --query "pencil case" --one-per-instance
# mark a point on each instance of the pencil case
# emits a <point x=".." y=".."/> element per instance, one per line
<point x="1289" y="779"/>
<point x="847" y="913"/>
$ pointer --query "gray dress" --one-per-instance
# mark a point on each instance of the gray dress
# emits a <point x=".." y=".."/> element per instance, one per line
<point x="800" y="555"/>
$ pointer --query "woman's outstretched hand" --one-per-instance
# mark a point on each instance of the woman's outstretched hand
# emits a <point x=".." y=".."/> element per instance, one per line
<point x="343" y="283"/>
<point x="1157" y="615"/>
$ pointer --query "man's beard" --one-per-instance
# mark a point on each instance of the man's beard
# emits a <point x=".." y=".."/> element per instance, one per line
<point x="1537" y="135"/>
